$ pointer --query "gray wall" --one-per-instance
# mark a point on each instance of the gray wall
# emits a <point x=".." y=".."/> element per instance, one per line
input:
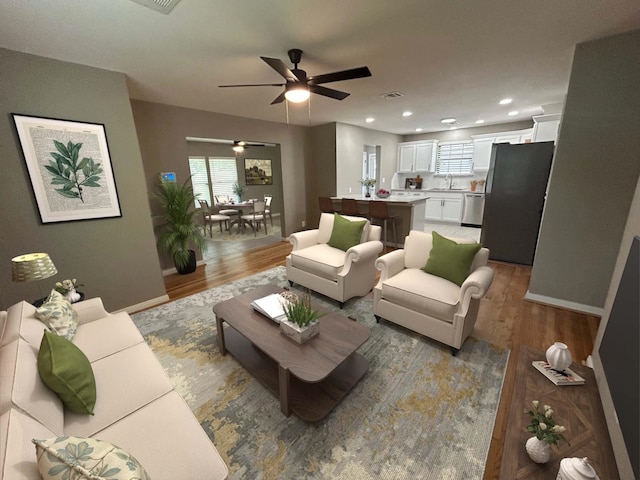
<point x="114" y="258"/>
<point x="594" y="175"/>
<point x="163" y="131"/>
<point x="320" y="179"/>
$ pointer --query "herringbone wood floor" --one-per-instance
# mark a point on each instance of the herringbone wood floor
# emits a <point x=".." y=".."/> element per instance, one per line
<point x="505" y="318"/>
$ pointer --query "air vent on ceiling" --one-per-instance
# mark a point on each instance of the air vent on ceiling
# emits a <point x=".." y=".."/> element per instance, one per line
<point x="162" y="6"/>
<point x="392" y="95"/>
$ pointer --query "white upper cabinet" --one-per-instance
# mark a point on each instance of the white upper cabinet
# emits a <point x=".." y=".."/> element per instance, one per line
<point x="482" y="145"/>
<point x="416" y="157"/>
<point x="545" y="127"/>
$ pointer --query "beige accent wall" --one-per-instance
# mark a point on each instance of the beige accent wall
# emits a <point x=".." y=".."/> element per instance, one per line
<point x="163" y="131"/>
<point x="114" y="258"/>
<point x="594" y="174"/>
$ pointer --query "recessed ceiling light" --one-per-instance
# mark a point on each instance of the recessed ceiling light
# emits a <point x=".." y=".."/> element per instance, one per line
<point x="479" y="122"/>
<point x="407" y="114"/>
<point x="513" y="113"/>
<point x="448" y="120"/>
<point x="506" y="101"/>
<point x="370" y="120"/>
<point x="418" y="129"/>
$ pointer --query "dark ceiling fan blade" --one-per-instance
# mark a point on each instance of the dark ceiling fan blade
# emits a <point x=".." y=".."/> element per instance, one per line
<point x="280" y="67"/>
<point x="328" y="92"/>
<point x="279" y="99"/>
<point x="350" y="74"/>
<point x="255" y="85"/>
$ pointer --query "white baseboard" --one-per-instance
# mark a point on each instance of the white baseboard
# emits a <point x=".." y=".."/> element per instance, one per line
<point x="173" y="270"/>
<point x="567" y="305"/>
<point x="144" y="305"/>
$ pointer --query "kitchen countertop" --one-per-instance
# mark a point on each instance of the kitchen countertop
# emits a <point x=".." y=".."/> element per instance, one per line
<point x="392" y="198"/>
<point x="428" y="191"/>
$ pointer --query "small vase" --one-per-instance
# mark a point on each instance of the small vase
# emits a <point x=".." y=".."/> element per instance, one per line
<point x="368" y="194"/>
<point x="558" y="356"/>
<point x="538" y="450"/>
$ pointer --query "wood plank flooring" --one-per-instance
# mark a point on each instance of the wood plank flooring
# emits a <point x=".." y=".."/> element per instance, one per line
<point x="505" y="318"/>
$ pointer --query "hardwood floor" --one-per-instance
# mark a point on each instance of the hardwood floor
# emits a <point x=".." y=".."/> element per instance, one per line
<point x="505" y="319"/>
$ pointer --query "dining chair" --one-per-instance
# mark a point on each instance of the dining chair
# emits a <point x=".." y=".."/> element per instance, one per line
<point x="211" y="216"/>
<point x="256" y="217"/>
<point x="350" y="207"/>
<point x="267" y="201"/>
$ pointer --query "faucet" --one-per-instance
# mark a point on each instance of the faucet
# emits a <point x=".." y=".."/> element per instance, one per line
<point x="449" y="179"/>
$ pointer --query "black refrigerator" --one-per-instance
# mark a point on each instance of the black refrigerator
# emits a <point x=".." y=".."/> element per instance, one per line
<point x="514" y="198"/>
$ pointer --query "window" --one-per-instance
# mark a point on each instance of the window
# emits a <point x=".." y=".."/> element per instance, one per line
<point x="455" y="158"/>
<point x="212" y="176"/>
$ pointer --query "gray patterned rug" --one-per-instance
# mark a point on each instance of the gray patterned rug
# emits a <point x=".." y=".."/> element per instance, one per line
<point x="418" y="413"/>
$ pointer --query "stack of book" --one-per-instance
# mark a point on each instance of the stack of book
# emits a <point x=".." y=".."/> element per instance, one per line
<point x="558" y="377"/>
<point x="271" y="306"/>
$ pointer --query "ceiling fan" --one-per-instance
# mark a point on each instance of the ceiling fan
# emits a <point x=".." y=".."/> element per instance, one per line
<point x="298" y="86"/>
<point x="241" y="145"/>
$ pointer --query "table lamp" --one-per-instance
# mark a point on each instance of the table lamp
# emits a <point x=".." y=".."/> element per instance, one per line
<point x="31" y="267"/>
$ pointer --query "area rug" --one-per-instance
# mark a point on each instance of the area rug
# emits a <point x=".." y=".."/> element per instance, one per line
<point x="237" y="234"/>
<point x="417" y="413"/>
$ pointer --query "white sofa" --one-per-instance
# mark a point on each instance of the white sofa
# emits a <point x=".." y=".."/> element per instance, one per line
<point x="136" y="408"/>
<point x="315" y="264"/>
<point x="425" y="303"/>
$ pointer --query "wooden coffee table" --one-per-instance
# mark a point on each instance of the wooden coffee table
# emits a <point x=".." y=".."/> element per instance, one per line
<point x="309" y="379"/>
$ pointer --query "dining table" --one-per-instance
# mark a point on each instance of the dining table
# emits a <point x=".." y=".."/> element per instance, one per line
<point x="240" y="206"/>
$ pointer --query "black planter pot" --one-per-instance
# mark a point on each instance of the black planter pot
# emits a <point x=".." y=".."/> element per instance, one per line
<point x="190" y="267"/>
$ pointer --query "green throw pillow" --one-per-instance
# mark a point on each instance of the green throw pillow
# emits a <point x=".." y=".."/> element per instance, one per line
<point x="450" y="260"/>
<point x="67" y="371"/>
<point x="345" y="233"/>
<point x="58" y="314"/>
<point x="86" y="458"/>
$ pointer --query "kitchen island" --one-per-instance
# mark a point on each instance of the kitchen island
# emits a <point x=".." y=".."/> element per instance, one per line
<point x="409" y="209"/>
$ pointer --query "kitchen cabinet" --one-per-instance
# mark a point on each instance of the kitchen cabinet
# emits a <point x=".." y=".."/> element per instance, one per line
<point x="416" y="157"/>
<point x="444" y="207"/>
<point x="545" y="127"/>
<point x="482" y="145"/>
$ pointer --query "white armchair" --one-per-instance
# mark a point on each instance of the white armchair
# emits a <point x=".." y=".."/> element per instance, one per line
<point x="338" y="274"/>
<point x="425" y="303"/>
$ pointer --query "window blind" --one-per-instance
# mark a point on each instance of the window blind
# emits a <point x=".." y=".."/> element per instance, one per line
<point x="198" y="169"/>
<point x="455" y="158"/>
<point x="223" y="174"/>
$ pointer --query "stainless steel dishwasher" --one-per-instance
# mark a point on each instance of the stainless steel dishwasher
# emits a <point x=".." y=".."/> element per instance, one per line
<point x="473" y="209"/>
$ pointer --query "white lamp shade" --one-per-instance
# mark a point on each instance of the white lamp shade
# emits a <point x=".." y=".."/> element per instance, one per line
<point x="32" y="266"/>
<point x="296" y="92"/>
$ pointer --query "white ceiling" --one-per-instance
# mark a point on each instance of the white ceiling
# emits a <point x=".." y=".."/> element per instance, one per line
<point x="448" y="57"/>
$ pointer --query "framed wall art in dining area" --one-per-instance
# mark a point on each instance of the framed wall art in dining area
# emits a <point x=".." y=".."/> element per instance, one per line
<point x="69" y="168"/>
<point x="257" y="172"/>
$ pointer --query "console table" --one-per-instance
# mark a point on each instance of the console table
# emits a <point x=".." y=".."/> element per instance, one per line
<point x="577" y="407"/>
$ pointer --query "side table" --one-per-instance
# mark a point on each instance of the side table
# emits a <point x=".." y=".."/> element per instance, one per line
<point x="577" y="407"/>
<point x="38" y="303"/>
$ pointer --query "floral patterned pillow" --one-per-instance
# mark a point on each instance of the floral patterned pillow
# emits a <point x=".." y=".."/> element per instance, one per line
<point x="75" y="458"/>
<point x="58" y="314"/>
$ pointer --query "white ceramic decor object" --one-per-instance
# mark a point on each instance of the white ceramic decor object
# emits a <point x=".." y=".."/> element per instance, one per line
<point x="558" y="356"/>
<point x="538" y="450"/>
<point x="576" y="469"/>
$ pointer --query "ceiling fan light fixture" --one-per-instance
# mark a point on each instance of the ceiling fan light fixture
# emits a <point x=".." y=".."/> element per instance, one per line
<point x="237" y="148"/>
<point x="296" y="92"/>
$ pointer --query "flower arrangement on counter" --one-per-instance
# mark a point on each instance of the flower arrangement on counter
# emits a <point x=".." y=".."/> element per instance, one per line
<point x="368" y="182"/>
<point x="544" y="426"/>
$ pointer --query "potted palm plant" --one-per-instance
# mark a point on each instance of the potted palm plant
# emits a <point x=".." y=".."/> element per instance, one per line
<point x="179" y="231"/>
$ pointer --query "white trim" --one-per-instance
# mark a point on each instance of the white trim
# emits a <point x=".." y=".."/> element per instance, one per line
<point x="144" y="305"/>
<point x="171" y="271"/>
<point x="557" y="302"/>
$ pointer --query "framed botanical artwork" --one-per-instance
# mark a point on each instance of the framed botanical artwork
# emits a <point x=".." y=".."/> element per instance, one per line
<point x="257" y="172"/>
<point x="69" y="167"/>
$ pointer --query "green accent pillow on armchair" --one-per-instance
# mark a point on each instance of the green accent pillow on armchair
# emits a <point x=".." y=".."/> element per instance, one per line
<point x="67" y="371"/>
<point x="345" y="233"/>
<point x="450" y="260"/>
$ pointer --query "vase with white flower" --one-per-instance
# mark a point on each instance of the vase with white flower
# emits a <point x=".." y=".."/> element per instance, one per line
<point x="68" y="289"/>
<point x="368" y="183"/>
<point x="547" y="432"/>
